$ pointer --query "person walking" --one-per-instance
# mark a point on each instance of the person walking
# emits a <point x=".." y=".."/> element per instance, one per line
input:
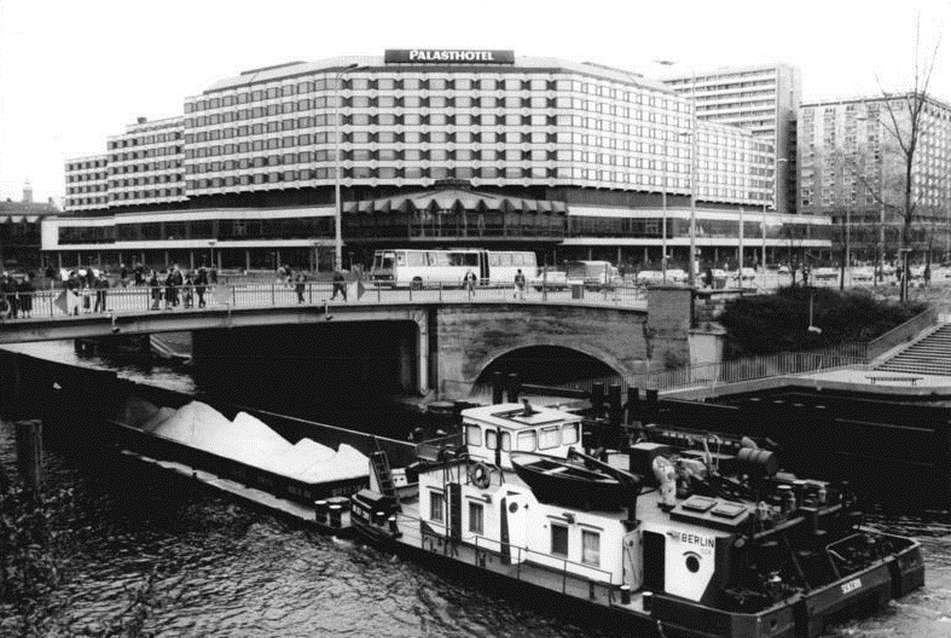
<point x="155" y="290"/>
<point x="520" y="285"/>
<point x="189" y="290"/>
<point x="469" y="281"/>
<point x="300" y="284"/>
<point x="201" y="281"/>
<point x="339" y="285"/>
<point x="102" y="287"/>
<point x="26" y="290"/>
<point x="9" y="288"/>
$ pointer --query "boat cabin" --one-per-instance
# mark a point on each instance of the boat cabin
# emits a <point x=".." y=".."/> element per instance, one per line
<point x="494" y="432"/>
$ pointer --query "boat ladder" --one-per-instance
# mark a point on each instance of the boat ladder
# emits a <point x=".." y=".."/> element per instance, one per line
<point x="384" y="476"/>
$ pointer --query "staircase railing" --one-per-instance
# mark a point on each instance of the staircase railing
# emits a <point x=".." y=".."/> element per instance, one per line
<point x="903" y="333"/>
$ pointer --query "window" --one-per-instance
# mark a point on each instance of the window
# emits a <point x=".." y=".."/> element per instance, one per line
<point x="590" y="547"/>
<point x="559" y="540"/>
<point x="437" y="507"/>
<point x="474" y="435"/>
<point x="569" y="433"/>
<point x="492" y="438"/>
<point x="526" y="441"/>
<point x="476" y="518"/>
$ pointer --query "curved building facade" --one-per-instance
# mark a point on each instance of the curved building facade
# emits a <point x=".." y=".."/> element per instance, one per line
<point x="251" y="165"/>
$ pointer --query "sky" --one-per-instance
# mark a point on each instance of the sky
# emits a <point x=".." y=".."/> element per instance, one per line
<point x="73" y="73"/>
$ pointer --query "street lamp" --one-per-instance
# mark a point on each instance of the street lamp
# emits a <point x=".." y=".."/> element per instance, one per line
<point x="338" y="209"/>
<point x="691" y="274"/>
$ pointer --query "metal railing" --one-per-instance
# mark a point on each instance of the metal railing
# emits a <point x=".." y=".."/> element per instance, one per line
<point x="79" y="302"/>
<point x="904" y="332"/>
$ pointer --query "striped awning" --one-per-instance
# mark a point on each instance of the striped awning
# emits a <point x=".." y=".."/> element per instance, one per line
<point x="453" y="199"/>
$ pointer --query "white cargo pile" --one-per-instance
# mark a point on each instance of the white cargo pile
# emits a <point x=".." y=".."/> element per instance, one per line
<point x="247" y="439"/>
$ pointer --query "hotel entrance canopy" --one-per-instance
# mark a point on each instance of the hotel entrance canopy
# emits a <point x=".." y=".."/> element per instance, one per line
<point x="455" y="213"/>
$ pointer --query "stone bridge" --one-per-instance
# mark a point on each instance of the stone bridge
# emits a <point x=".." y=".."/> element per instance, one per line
<point x="430" y="345"/>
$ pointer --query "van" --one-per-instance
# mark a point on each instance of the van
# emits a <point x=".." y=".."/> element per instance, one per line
<point x="593" y="275"/>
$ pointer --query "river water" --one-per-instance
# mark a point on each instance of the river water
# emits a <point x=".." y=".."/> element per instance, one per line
<point x="222" y="570"/>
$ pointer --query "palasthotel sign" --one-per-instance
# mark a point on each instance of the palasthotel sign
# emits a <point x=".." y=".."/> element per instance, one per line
<point x="448" y="56"/>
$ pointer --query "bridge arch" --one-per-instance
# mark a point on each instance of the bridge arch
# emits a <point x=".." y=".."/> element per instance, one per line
<point x="548" y="362"/>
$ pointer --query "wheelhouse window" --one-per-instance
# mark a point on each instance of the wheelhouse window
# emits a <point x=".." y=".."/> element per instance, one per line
<point x="559" y="540"/>
<point x="476" y="518"/>
<point x="549" y="437"/>
<point x="437" y="507"/>
<point x="590" y="547"/>
<point x="569" y="433"/>
<point x="526" y="441"/>
<point x="492" y="440"/>
<point x="474" y="435"/>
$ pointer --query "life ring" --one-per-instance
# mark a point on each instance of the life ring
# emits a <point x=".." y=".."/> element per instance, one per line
<point x="480" y="475"/>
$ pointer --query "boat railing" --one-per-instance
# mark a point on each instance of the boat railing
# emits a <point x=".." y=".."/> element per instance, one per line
<point x="523" y="554"/>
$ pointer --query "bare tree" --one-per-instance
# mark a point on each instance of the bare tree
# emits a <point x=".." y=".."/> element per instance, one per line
<point x="906" y="123"/>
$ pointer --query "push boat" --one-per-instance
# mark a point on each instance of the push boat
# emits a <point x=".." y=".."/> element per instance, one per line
<point x="704" y="537"/>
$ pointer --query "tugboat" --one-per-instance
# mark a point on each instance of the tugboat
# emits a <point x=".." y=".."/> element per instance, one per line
<point x="698" y="535"/>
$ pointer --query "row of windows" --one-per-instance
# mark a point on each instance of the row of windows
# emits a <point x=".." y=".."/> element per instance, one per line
<point x="414" y="173"/>
<point x="86" y="177"/>
<point x="590" y="539"/>
<point x="226" y="229"/>
<point x="171" y="136"/>
<point x="144" y="181"/>
<point x="544" y="438"/>
<point x="152" y="152"/>
<point x="87" y="164"/>
<point x="147" y="194"/>
<point x="168" y="165"/>
<point x="371" y="84"/>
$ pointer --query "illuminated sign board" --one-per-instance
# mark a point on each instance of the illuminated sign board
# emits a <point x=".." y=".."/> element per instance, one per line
<point x="448" y="56"/>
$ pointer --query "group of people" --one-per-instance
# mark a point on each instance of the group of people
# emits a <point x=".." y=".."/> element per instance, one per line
<point x="178" y="288"/>
<point x="469" y="283"/>
<point x="16" y="296"/>
<point x="79" y="287"/>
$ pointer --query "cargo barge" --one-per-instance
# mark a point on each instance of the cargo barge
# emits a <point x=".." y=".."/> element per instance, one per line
<point x="118" y="415"/>
<point x="706" y="538"/>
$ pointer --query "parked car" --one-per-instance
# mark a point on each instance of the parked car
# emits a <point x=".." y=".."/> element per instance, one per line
<point x="650" y="277"/>
<point x="593" y="275"/>
<point x="550" y="279"/>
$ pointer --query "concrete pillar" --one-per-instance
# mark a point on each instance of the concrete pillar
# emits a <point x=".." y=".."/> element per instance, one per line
<point x="422" y="351"/>
<point x="191" y="260"/>
<point x="590" y="253"/>
<point x="247" y="259"/>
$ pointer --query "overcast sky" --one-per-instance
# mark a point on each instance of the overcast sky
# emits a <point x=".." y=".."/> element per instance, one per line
<point x="72" y="73"/>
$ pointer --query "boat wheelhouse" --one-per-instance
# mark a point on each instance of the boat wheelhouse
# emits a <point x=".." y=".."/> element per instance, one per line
<point x="702" y="543"/>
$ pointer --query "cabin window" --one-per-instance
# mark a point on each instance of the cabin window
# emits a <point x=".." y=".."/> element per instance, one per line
<point x="474" y="435"/>
<point x="549" y="437"/>
<point x="590" y="547"/>
<point x="437" y="507"/>
<point x="492" y="437"/>
<point x="526" y="441"/>
<point x="559" y="540"/>
<point x="569" y="433"/>
<point x="476" y="518"/>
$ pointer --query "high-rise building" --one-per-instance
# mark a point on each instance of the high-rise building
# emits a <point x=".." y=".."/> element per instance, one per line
<point x="763" y="99"/>
<point x="852" y="168"/>
<point x="592" y="162"/>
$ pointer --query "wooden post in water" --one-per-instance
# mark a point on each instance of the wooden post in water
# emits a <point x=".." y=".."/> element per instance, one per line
<point x="29" y="441"/>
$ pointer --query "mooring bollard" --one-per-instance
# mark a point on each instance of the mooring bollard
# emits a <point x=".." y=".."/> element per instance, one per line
<point x="29" y="443"/>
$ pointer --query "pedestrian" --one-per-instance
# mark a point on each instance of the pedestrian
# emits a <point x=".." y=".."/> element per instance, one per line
<point x="339" y="285"/>
<point x="102" y="287"/>
<point x="87" y="278"/>
<point x="520" y="285"/>
<point x="200" y="282"/>
<point x="189" y="290"/>
<point x="170" y="293"/>
<point x="469" y="281"/>
<point x="156" y="290"/>
<point x="9" y="289"/>
<point x="139" y="273"/>
<point x="299" y="286"/>
<point x="72" y="286"/>
<point x="26" y="290"/>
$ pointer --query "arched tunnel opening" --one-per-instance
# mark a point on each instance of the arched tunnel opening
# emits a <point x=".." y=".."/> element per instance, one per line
<point x="554" y="366"/>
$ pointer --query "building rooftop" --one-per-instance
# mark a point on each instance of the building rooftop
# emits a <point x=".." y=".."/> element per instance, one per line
<point x="375" y="63"/>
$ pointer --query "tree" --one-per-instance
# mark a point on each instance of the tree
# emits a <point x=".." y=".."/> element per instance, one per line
<point x="906" y="121"/>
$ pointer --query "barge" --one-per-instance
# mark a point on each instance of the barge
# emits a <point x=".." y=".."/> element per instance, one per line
<point x="697" y="535"/>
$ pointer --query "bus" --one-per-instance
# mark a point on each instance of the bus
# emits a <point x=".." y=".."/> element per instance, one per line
<point x="416" y="268"/>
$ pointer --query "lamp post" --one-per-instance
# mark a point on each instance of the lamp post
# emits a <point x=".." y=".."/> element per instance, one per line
<point x="691" y="274"/>
<point x="663" y="236"/>
<point x="338" y="210"/>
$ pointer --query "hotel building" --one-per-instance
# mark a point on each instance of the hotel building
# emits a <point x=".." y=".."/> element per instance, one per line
<point x="433" y="148"/>
<point x="762" y="99"/>
<point x="852" y="169"/>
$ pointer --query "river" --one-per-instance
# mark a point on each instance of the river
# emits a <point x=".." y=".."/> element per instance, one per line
<point x="222" y="570"/>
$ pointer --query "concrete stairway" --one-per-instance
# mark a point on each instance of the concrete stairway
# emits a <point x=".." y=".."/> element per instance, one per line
<point x="929" y="355"/>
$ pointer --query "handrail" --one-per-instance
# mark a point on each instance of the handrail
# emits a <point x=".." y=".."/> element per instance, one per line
<point x="528" y="552"/>
<point x="903" y="332"/>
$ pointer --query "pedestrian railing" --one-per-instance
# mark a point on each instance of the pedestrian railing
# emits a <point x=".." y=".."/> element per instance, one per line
<point x="133" y="299"/>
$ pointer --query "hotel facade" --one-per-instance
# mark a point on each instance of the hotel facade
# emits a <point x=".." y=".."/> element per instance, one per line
<point x="852" y="169"/>
<point x="430" y="148"/>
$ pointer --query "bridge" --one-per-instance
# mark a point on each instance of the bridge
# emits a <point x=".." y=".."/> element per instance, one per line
<point x="440" y="340"/>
